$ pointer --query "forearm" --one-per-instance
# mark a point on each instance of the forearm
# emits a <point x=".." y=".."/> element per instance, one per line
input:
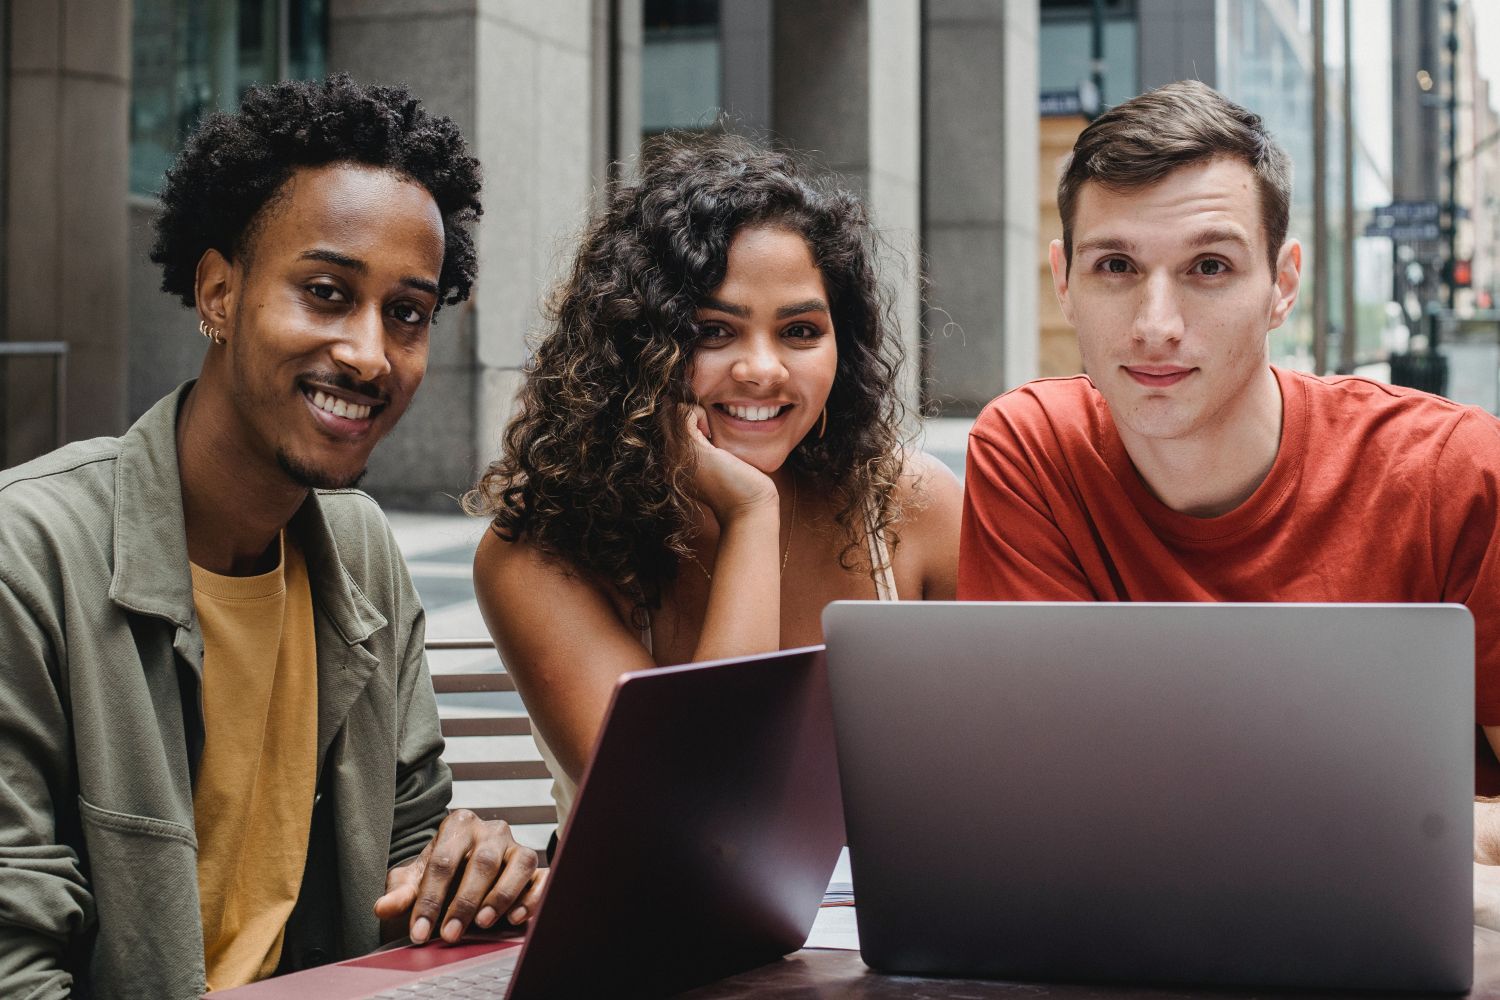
<point x="31" y="966"/>
<point x="744" y="597"/>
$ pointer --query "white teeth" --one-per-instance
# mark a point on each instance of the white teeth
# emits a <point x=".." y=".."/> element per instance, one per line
<point x="754" y="413"/>
<point x="339" y="407"/>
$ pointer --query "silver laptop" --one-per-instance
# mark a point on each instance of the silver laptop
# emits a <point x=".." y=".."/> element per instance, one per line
<point x="1223" y="794"/>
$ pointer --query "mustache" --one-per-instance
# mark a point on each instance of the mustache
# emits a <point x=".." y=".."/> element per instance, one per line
<point x="342" y="380"/>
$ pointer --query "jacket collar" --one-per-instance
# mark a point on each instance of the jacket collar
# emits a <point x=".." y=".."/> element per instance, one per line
<point x="151" y="561"/>
<point x="333" y="590"/>
<point x="151" y="573"/>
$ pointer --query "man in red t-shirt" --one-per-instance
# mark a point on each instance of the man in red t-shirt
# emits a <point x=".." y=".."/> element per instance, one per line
<point x="1183" y="466"/>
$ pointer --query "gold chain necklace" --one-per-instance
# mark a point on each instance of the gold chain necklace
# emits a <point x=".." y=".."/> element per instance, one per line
<point x="786" y="553"/>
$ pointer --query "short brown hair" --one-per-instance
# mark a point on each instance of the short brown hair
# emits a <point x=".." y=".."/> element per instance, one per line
<point x="1143" y="140"/>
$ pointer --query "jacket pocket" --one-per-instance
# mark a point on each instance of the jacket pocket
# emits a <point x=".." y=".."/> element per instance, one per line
<point x="144" y="875"/>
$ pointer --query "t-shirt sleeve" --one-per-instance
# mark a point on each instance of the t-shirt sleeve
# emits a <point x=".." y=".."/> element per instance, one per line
<point x="1466" y="499"/>
<point x="1010" y="546"/>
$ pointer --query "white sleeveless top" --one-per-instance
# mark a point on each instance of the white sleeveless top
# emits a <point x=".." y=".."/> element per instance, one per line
<point x="564" y="790"/>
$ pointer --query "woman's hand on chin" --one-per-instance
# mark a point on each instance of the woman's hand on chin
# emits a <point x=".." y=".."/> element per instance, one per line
<point x="729" y="485"/>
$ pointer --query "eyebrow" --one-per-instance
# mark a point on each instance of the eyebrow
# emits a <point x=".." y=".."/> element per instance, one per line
<point x="332" y="257"/>
<point x="1209" y="237"/>
<point x="1104" y="244"/>
<point x="360" y="267"/>
<point x="798" y="308"/>
<point x="743" y="312"/>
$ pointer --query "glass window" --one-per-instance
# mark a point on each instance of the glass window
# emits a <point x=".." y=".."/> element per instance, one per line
<point x="190" y="57"/>
<point x="1066" y="47"/>
<point x="680" y="58"/>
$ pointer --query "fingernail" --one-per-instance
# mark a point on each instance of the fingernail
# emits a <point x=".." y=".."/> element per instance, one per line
<point x="452" y="929"/>
<point x="486" y="916"/>
<point x="421" y="929"/>
<point x="518" y="914"/>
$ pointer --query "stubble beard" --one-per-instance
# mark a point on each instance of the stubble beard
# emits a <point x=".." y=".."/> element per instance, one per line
<point x="312" y="478"/>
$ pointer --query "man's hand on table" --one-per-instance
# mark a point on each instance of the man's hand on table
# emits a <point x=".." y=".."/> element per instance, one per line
<point x="477" y="863"/>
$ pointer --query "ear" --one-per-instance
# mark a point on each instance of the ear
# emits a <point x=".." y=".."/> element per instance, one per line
<point x="1288" y="282"/>
<point x="1059" y="261"/>
<point x="214" y="289"/>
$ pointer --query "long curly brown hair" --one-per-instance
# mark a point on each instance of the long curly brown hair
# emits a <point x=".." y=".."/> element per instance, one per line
<point x="588" y="471"/>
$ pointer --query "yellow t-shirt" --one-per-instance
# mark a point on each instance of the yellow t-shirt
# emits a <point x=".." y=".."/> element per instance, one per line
<point x="253" y="803"/>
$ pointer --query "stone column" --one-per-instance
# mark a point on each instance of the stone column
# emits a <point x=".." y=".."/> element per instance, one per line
<point x="845" y="91"/>
<point x="66" y="156"/>
<point x="1178" y="40"/>
<point x="520" y="79"/>
<point x="980" y="167"/>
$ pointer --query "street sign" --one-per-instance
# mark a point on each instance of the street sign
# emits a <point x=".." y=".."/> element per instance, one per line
<point x="1406" y="211"/>
<point x="1061" y="103"/>
<point x="1413" y="232"/>
<point x="1406" y="221"/>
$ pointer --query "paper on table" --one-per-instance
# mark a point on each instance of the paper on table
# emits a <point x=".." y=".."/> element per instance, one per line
<point x="835" y="925"/>
<point x="834" y="928"/>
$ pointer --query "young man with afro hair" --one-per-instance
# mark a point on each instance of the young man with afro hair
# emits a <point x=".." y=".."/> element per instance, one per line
<point x="220" y="744"/>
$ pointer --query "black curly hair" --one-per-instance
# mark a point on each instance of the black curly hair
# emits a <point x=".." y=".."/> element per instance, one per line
<point x="234" y="164"/>
<point x="587" y="473"/>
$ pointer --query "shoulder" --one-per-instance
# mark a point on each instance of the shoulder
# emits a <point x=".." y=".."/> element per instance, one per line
<point x="62" y="502"/>
<point x="82" y="465"/>
<point x="504" y="566"/>
<point x="1405" y="422"/>
<point x="924" y="479"/>
<point x="361" y="534"/>
<point x="1048" y="430"/>
<point x="928" y="495"/>
<point x="1043" y="409"/>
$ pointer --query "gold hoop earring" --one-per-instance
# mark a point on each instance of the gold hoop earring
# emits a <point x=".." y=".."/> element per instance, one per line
<point x="211" y="332"/>
<point x="823" y="424"/>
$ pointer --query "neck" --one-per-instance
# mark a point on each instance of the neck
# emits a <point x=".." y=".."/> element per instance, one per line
<point x="1214" y="471"/>
<point x="234" y="503"/>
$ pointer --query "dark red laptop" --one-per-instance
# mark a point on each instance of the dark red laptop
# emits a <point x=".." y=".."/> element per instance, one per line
<point x="703" y="836"/>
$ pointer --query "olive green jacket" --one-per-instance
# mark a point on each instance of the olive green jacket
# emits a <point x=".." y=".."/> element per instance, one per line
<point x="101" y="724"/>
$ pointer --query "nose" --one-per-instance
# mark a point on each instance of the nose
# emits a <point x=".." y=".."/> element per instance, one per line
<point x="1158" y="314"/>
<point x="759" y="363"/>
<point x="360" y="348"/>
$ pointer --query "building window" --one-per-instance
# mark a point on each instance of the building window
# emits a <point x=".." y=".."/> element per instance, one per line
<point x="680" y="60"/>
<point x="190" y="57"/>
<point x="1066" y="46"/>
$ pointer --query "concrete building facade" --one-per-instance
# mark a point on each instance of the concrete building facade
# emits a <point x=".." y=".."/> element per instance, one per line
<point x="928" y="110"/>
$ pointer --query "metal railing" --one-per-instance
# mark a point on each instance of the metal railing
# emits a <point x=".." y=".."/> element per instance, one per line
<point x="58" y="351"/>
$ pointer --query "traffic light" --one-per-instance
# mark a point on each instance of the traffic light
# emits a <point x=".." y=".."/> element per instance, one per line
<point x="1460" y="273"/>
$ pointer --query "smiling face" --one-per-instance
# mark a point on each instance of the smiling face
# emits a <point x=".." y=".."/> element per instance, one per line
<point x="326" y="318"/>
<point x="1171" y="294"/>
<point x="767" y="357"/>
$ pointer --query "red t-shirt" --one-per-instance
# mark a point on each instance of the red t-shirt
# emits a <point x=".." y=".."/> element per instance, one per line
<point x="1377" y="494"/>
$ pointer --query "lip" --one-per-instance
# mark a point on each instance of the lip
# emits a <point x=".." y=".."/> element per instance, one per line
<point x="1158" y="376"/>
<point x="341" y="427"/>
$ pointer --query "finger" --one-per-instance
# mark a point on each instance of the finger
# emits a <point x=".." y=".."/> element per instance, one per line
<point x="515" y="877"/>
<point x="448" y="850"/>
<point x="397" y="899"/>
<point x="531" y="899"/>
<point x="496" y="872"/>
<point x="401" y="886"/>
<point x="698" y="421"/>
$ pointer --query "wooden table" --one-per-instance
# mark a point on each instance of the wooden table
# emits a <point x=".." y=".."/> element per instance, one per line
<point x="814" y="974"/>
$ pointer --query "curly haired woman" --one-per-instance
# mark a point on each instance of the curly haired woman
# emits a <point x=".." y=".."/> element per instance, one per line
<point x="707" y="449"/>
